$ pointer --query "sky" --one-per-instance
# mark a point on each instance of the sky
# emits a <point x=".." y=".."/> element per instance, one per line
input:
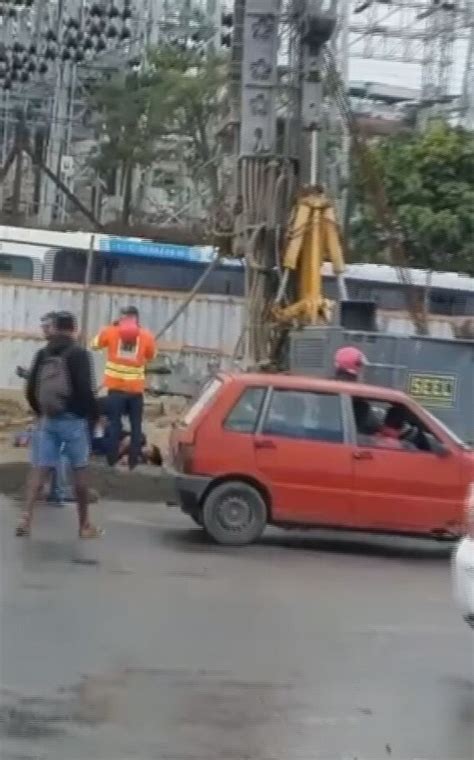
<point x="401" y="16"/>
<point x="404" y="74"/>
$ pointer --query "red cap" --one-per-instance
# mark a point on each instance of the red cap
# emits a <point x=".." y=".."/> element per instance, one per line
<point x="349" y="359"/>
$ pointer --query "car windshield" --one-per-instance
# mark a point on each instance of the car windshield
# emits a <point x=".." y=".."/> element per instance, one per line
<point x="207" y="394"/>
<point x="449" y="432"/>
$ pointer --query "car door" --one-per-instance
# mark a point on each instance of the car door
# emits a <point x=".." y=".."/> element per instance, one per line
<point x="302" y="456"/>
<point x="402" y="487"/>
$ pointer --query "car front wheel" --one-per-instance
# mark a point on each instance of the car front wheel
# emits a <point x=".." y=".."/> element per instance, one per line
<point x="234" y="514"/>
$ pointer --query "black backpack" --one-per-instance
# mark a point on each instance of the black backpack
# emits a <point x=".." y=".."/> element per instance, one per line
<point x="53" y="385"/>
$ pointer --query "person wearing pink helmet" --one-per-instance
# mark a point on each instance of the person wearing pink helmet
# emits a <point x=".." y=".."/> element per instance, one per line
<point x="348" y="363"/>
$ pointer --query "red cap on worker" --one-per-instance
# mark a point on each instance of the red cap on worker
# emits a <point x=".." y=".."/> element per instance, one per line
<point x="349" y="359"/>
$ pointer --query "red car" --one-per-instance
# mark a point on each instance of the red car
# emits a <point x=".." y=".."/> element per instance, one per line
<point x="257" y="449"/>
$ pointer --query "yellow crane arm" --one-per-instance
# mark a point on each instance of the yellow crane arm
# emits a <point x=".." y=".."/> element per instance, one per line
<point x="312" y="237"/>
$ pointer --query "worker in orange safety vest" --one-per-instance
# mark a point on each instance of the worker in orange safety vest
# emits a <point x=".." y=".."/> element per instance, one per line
<point x="129" y="348"/>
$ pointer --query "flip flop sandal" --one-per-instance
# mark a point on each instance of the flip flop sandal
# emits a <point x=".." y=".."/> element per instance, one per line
<point x="91" y="531"/>
<point x="24" y="526"/>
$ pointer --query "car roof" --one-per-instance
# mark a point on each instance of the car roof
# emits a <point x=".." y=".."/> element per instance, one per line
<point x="304" y="382"/>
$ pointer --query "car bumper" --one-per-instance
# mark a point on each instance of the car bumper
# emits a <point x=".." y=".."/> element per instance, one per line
<point x="187" y="490"/>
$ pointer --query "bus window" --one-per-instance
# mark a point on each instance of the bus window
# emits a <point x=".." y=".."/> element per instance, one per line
<point x="143" y="272"/>
<point x="69" y="266"/>
<point x="16" y="267"/>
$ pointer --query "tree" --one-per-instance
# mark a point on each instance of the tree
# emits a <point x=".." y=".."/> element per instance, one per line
<point x="429" y="182"/>
<point x="176" y="95"/>
<point x="189" y="98"/>
<point x="127" y="130"/>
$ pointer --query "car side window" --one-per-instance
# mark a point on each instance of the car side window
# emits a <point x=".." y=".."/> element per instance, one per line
<point x="305" y="415"/>
<point x="244" y="414"/>
<point x="388" y="425"/>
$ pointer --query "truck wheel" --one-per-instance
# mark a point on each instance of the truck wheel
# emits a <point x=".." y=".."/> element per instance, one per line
<point x="234" y="514"/>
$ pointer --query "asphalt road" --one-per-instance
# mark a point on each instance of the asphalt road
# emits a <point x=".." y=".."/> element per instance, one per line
<point x="152" y="644"/>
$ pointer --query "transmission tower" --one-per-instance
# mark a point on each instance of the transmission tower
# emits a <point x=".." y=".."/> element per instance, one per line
<point x="467" y="95"/>
<point x="49" y="51"/>
<point x="421" y="32"/>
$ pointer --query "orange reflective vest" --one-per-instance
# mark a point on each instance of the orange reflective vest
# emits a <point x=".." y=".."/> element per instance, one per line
<point x="125" y="365"/>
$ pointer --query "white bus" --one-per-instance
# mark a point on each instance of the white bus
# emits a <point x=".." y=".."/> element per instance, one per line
<point x="136" y="263"/>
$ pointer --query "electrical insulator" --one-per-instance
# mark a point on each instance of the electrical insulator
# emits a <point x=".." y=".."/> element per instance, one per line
<point x="227" y="23"/>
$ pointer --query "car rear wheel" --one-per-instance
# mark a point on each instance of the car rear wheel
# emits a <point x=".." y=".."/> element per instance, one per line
<point x="234" y="514"/>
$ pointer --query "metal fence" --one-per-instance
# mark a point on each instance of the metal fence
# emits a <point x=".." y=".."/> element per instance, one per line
<point x="210" y="324"/>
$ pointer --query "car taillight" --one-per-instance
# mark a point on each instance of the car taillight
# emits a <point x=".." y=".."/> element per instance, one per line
<point x="184" y="457"/>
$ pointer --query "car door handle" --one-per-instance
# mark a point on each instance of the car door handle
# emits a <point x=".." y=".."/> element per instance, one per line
<point x="363" y="455"/>
<point x="264" y="443"/>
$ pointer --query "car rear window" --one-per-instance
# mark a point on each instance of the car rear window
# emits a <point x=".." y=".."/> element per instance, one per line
<point x="208" y="393"/>
<point x="244" y="415"/>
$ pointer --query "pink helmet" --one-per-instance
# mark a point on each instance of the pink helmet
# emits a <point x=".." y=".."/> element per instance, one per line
<point x="350" y="360"/>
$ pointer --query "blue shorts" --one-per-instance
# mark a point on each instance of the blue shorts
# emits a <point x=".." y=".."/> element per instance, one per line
<point x="53" y="437"/>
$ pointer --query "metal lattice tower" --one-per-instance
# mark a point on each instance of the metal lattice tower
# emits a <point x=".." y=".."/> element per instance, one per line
<point x="422" y="32"/>
<point x="49" y="51"/>
<point x="467" y="95"/>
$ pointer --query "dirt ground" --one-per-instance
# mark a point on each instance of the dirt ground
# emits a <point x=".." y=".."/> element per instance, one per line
<point x="117" y="484"/>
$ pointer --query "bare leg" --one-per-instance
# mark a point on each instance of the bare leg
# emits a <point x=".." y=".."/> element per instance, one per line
<point x="86" y="528"/>
<point x="80" y="487"/>
<point x="37" y="481"/>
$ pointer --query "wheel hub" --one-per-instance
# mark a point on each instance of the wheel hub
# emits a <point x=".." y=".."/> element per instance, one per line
<point x="234" y="513"/>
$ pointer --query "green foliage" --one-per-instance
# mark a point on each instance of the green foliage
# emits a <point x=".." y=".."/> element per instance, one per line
<point x="176" y="95"/>
<point x="429" y="182"/>
<point x="128" y="128"/>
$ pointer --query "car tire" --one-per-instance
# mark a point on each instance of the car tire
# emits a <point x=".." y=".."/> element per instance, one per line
<point x="197" y="518"/>
<point x="234" y="514"/>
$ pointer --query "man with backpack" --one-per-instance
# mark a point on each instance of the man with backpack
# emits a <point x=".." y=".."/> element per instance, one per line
<point x="59" y="490"/>
<point x="60" y="391"/>
<point x="129" y="349"/>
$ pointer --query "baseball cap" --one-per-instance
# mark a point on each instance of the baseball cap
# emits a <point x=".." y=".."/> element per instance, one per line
<point x="129" y="311"/>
